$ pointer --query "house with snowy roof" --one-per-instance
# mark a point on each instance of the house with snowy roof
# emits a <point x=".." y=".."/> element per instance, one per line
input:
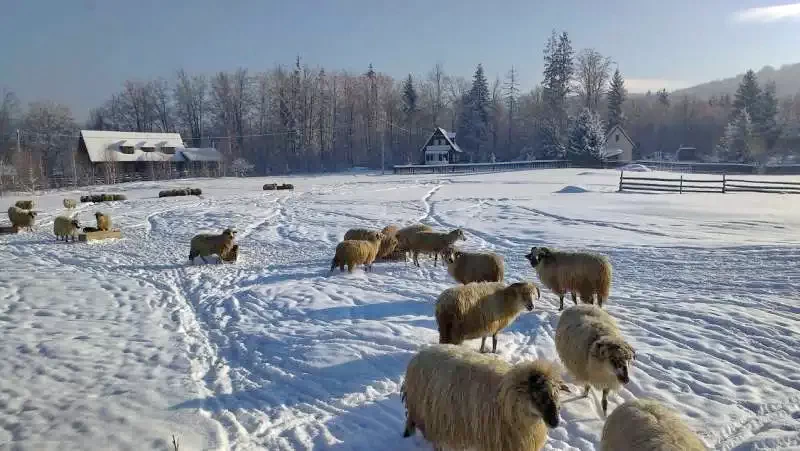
<point x="137" y="152"/>
<point x="441" y="148"/>
<point x="619" y="146"/>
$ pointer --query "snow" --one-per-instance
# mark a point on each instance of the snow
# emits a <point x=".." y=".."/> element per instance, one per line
<point x="635" y="167"/>
<point x="572" y="189"/>
<point x="121" y="344"/>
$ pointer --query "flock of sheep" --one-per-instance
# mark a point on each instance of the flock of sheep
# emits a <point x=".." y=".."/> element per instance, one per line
<point x="460" y="398"/>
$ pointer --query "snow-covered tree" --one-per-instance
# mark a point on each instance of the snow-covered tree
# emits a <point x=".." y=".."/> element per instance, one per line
<point x="748" y="97"/>
<point x="556" y="86"/>
<point x="241" y="167"/>
<point x="616" y="97"/>
<point x="736" y="144"/>
<point x="473" y="127"/>
<point x="586" y="138"/>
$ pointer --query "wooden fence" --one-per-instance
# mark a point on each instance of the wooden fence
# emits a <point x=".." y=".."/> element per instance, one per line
<point x="722" y="185"/>
<point x="478" y="167"/>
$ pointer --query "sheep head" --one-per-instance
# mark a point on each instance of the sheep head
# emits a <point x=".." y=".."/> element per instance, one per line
<point x="614" y="357"/>
<point x="450" y="254"/>
<point x="32" y="214"/>
<point x="457" y="234"/>
<point x="535" y="388"/>
<point x="538" y="254"/>
<point x="523" y="294"/>
<point x="75" y="224"/>
<point x="230" y="232"/>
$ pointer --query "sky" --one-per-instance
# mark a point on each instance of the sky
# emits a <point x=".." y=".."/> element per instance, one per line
<point x="79" y="52"/>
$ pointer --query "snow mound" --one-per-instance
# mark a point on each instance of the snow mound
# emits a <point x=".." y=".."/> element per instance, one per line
<point x="635" y="168"/>
<point x="588" y="173"/>
<point x="572" y="189"/>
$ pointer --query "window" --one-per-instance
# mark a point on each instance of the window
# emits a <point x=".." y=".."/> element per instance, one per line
<point x="441" y="157"/>
<point x="616" y="137"/>
<point x="168" y="150"/>
<point x="148" y="149"/>
<point x="126" y="149"/>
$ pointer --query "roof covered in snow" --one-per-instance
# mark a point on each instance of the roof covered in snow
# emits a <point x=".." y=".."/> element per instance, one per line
<point x="449" y="136"/>
<point x="622" y="131"/>
<point x="105" y="145"/>
<point x="201" y="154"/>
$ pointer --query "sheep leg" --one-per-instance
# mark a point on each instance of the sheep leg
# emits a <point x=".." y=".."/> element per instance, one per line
<point x="600" y="301"/>
<point x="586" y="391"/>
<point x="483" y="345"/>
<point x="416" y="258"/>
<point x="604" y="402"/>
<point x="349" y="267"/>
<point x="561" y="300"/>
<point x="494" y="344"/>
<point x="435" y="258"/>
<point x="410" y="427"/>
<point x="574" y="298"/>
<point x="202" y="257"/>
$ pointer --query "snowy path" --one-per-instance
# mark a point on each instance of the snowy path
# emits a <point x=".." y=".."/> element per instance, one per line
<point x="120" y="344"/>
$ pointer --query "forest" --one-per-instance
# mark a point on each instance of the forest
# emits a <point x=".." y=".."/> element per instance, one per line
<point x="304" y="118"/>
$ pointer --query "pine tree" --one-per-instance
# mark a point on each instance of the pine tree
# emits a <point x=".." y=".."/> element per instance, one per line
<point x="748" y="97"/>
<point x="556" y="86"/>
<point x="768" y="123"/>
<point x="409" y="99"/>
<point x="737" y="142"/>
<point x="473" y="125"/>
<point x="586" y="138"/>
<point x="616" y="97"/>
<point x="511" y="92"/>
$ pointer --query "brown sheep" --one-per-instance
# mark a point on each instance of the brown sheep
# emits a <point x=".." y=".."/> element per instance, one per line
<point x="466" y="267"/>
<point x="21" y="218"/>
<point x="24" y="204"/>
<point x="434" y="243"/>
<point x="563" y="272"/>
<point x="404" y="236"/>
<point x="205" y="244"/>
<point x="481" y="309"/>
<point x="388" y="243"/>
<point x="103" y="221"/>
<point x="357" y="252"/>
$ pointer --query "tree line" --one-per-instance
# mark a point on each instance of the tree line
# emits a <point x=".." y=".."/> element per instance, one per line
<point x="304" y="118"/>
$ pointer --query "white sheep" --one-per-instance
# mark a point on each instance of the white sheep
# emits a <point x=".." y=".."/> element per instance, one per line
<point x="70" y="204"/>
<point x="481" y="309"/>
<point x="592" y="349"/>
<point x="562" y="272"/>
<point x="646" y="425"/>
<point x="21" y="218"/>
<point x="65" y="227"/>
<point x="461" y="399"/>
<point x="466" y="267"/>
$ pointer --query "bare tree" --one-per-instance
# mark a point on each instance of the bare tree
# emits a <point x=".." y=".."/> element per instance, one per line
<point x="50" y="134"/>
<point x="162" y="104"/>
<point x="592" y="72"/>
<point x="437" y="79"/>
<point x="190" y="103"/>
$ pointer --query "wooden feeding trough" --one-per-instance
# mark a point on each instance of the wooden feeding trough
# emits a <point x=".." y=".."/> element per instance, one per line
<point x="94" y="235"/>
<point x="8" y="230"/>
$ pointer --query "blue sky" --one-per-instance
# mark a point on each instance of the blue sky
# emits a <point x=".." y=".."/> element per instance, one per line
<point x="80" y="51"/>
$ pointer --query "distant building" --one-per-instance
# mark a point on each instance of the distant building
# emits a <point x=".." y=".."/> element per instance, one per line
<point x="686" y="153"/>
<point x="126" y="153"/>
<point x="619" y="146"/>
<point x="441" y="148"/>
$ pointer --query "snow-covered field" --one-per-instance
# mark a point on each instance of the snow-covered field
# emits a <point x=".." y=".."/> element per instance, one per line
<point x="121" y="344"/>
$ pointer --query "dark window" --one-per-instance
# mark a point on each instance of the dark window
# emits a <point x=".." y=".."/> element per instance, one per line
<point x="126" y="149"/>
<point x="148" y="149"/>
<point x="168" y="150"/>
<point x="617" y="137"/>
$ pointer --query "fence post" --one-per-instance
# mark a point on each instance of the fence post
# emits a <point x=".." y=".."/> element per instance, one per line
<point x="621" y="174"/>
<point x="680" y="190"/>
<point x="723" y="183"/>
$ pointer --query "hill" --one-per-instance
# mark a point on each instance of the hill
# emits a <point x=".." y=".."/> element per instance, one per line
<point x="787" y="82"/>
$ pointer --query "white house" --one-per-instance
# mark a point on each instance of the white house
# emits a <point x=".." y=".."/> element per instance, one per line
<point x="619" y="146"/>
<point x="441" y="148"/>
<point x="132" y="152"/>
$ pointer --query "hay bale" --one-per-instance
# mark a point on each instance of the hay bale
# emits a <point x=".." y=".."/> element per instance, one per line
<point x="180" y="192"/>
<point x="103" y="198"/>
<point x="98" y="234"/>
<point x="270" y="187"/>
<point x="286" y="186"/>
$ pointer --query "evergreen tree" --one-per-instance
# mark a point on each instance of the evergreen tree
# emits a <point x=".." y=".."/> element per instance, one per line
<point x="409" y="99"/>
<point x="767" y="126"/>
<point x="737" y="142"/>
<point x="556" y="86"/>
<point x="616" y="97"/>
<point x="586" y="138"/>
<point x="473" y="125"/>
<point x="663" y="97"/>
<point x="511" y="93"/>
<point x="748" y="97"/>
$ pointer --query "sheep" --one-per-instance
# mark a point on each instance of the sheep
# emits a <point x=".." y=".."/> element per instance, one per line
<point x="388" y="243"/>
<point x="205" y="244"/>
<point x="464" y="400"/>
<point x="65" y="227"/>
<point x="433" y="242"/>
<point x="573" y="271"/>
<point x="70" y="204"/>
<point x="24" y="204"/>
<point x="390" y="230"/>
<point x="647" y="425"/>
<point x="481" y="309"/>
<point x="21" y="218"/>
<point x="103" y="221"/>
<point x="404" y="236"/>
<point x="466" y="267"/>
<point x="592" y="349"/>
<point x="357" y="252"/>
